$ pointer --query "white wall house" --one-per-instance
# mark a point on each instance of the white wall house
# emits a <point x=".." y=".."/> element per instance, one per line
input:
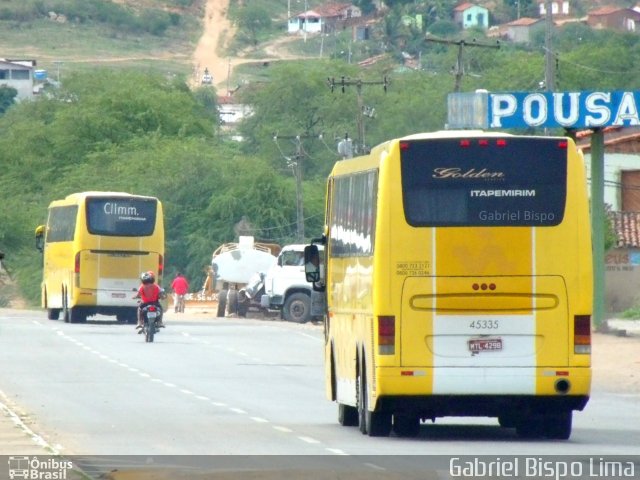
<point x="615" y="166"/>
<point x="324" y="19"/>
<point x="18" y="74"/>
<point x="309" y="22"/>
<point x="470" y="15"/>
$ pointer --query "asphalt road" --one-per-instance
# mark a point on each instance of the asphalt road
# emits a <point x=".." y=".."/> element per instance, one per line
<point x="233" y="387"/>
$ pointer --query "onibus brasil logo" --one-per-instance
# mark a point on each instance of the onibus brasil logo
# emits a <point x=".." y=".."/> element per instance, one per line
<point x="35" y="469"/>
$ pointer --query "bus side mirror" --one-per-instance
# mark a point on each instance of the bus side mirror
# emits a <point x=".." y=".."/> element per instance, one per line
<point x="40" y="237"/>
<point x="312" y="263"/>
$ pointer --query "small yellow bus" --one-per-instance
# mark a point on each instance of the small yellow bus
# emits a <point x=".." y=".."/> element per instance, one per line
<point x="95" y="245"/>
<point x="458" y="283"/>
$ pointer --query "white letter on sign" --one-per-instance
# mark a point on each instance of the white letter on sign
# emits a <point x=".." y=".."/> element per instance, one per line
<point x="502" y="105"/>
<point x="627" y="110"/>
<point x="574" y="111"/>
<point x="603" y="113"/>
<point x="529" y="101"/>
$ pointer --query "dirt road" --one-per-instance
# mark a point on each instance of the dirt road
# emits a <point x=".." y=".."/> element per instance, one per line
<point x="218" y="30"/>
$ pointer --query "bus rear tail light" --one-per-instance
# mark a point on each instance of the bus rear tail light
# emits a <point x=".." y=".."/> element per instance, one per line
<point x="386" y="335"/>
<point x="582" y="334"/>
<point x="160" y="266"/>
<point x="76" y="265"/>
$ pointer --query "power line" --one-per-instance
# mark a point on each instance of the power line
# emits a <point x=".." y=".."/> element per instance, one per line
<point x="295" y="163"/>
<point x="358" y="83"/>
<point x="459" y="68"/>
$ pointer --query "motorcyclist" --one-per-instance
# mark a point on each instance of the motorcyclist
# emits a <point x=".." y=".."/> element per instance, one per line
<point x="149" y="293"/>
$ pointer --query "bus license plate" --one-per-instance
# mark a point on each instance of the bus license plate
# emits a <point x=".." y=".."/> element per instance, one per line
<point x="485" y="345"/>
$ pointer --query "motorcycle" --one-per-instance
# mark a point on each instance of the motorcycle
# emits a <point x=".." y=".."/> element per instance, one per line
<point x="151" y="315"/>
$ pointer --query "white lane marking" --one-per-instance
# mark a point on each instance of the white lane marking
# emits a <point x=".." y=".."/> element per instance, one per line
<point x="279" y="428"/>
<point x="282" y="429"/>
<point x="374" y="466"/>
<point x="308" y="439"/>
<point x="37" y="439"/>
<point x="336" y="451"/>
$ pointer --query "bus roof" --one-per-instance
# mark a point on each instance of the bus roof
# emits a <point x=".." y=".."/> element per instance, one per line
<point x="79" y="196"/>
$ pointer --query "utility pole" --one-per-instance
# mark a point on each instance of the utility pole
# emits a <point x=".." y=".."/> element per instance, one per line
<point x="549" y="57"/>
<point x="362" y="109"/>
<point x="296" y="164"/>
<point x="459" y="68"/>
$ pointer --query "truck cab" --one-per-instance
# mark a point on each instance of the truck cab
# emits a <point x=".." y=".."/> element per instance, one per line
<point x="286" y="287"/>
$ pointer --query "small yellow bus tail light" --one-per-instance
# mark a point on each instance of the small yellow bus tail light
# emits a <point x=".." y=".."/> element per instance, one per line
<point x="386" y="335"/>
<point x="76" y="265"/>
<point x="582" y="334"/>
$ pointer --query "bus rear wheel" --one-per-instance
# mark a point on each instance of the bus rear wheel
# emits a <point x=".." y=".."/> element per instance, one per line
<point x="558" y="426"/>
<point x="53" y="313"/>
<point x="347" y="415"/>
<point x="374" y="424"/>
<point x="77" y="315"/>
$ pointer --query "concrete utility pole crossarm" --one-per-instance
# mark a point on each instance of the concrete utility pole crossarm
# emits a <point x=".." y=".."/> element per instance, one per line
<point x="459" y="68"/>
<point x="345" y="82"/>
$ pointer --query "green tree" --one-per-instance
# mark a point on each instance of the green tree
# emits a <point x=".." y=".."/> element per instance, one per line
<point x="251" y="20"/>
<point x="7" y="97"/>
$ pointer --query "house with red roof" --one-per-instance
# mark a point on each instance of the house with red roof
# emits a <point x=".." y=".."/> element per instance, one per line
<point x="614" y="18"/>
<point x="323" y="19"/>
<point x="469" y="15"/>
<point x="523" y="29"/>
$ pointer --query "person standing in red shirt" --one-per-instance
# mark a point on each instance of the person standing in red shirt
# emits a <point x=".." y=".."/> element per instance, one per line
<point x="180" y="287"/>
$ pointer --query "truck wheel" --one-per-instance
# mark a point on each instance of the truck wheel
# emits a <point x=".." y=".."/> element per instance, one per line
<point x="232" y="302"/>
<point x="297" y="308"/>
<point x="222" y="303"/>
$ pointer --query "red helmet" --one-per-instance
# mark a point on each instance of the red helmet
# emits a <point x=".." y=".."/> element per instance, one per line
<point x="148" y="277"/>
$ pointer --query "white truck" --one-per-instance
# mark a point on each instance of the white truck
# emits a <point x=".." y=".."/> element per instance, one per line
<point x="286" y="288"/>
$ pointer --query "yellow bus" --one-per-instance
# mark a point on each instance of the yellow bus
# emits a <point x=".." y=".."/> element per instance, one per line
<point x="95" y="245"/>
<point x="458" y="283"/>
